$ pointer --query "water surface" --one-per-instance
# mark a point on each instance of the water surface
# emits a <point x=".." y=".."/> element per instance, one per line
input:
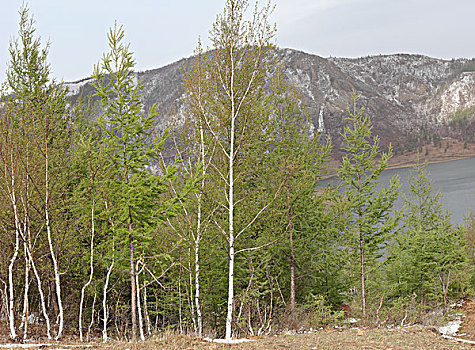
<point x="455" y="180"/>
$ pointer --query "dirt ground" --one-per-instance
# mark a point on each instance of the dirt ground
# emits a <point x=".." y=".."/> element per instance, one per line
<point x="412" y="337"/>
<point x="468" y="325"/>
<point x="416" y="337"/>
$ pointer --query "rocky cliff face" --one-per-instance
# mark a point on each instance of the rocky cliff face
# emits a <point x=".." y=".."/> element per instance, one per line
<point x="410" y="98"/>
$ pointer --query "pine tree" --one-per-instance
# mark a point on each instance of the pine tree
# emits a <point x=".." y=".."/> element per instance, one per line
<point x="133" y="152"/>
<point x="428" y="248"/>
<point x="296" y="161"/>
<point x="370" y="210"/>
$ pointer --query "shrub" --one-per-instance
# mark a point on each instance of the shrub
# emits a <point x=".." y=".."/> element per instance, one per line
<point x="320" y="313"/>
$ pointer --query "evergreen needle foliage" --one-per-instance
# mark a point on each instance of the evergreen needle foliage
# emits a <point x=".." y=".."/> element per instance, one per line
<point x="235" y="236"/>
<point x="370" y="220"/>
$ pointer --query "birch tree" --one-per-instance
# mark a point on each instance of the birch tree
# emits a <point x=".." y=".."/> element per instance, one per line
<point x="231" y="99"/>
<point x="38" y="107"/>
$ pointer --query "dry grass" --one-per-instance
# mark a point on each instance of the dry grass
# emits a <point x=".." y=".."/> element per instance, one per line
<point x="416" y="337"/>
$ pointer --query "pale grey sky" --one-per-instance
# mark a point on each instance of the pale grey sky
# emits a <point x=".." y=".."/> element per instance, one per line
<point x="163" y="31"/>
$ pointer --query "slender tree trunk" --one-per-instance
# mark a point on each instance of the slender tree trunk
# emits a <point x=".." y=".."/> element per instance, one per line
<point x="25" y="313"/>
<point x="11" y="299"/>
<point x="106" y="283"/>
<point x="180" y="317"/>
<point x="444" y="280"/>
<point x="139" y="308"/>
<point x="198" y="238"/>
<point x="132" y="281"/>
<point x="363" y="288"/>
<point x="92" y="316"/>
<point x="50" y="243"/>
<point x="91" y="266"/>
<point x="292" y="271"/>
<point x="26" y="229"/>
<point x="104" y="301"/>
<point x="40" y="291"/>
<point x="4" y="306"/>
<point x="229" y="316"/>
<point x="197" y="291"/>
<point x="145" y="309"/>
<point x="190" y="295"/>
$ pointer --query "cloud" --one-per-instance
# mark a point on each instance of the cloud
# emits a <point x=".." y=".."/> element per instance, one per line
<point x="291" y="11"/>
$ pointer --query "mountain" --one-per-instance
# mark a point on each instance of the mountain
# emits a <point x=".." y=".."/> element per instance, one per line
<point x="411" y="99"/>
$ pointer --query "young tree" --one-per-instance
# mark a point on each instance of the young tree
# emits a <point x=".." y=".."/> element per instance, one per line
<point x="370" y="218"/>
<point x="194" y="221"/>
<point x="132" y="151"/>
<point x="428" y="247"/>
<point x="298" y="159"/>
<point x="37" y="106"/>
<point x="230" y="95"/>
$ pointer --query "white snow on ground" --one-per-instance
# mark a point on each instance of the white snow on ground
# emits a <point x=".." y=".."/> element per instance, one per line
<point x="458" y="339"/>
<point x="351" y="320"/>
<point x="23" y="346"/>
<point x="451" y="328"/>
<point x="227" y="341"/>
<point x="41" y="345"/>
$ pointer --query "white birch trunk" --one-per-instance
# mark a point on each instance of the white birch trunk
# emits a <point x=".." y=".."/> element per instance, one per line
<point x="91" y="272"/>
<point x="180" y="318"/>
<point x="26" y="230"/>
<point x="11" y="297"/>
<point x="92" y="316"/>
<point x="198" y="239"/>
<point x="145" y="309"/>
<point x="197" y="291"/>
<point x="51" y="249"/>
<point x="25" y="313"/>
<point x="139" y="307"/>
<point x="191" y="300"/>
<point x="229" y="316"/>
<point x="104" y="302"/>
<point x="106" y="283"/>
<point x="40" y="291"/>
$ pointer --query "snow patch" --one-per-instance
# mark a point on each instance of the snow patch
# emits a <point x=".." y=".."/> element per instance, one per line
<point x="459" y="95"/>
<point x="41" y="345"/>
<point x="451" y="328"/>
<point x="321" y="126"/>
<point x="351" y="320"/>
<point x="74" y="88"/>
<point x="227" y="341"/>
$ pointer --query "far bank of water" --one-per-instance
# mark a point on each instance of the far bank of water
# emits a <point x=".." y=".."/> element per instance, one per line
<point x="454" y="179"/>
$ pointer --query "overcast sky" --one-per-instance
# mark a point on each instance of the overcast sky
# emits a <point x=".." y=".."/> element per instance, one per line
<point x="163" y="31"/>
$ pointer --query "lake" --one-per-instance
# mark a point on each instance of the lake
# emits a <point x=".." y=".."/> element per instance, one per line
<point x="455" y="180"/>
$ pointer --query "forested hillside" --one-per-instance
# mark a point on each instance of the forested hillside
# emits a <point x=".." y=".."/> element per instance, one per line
<point x="413" y="100"/>
<point x="211" y="222"/>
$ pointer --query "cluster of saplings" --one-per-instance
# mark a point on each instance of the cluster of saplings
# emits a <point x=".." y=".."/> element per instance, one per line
<point x="105" y="235"/>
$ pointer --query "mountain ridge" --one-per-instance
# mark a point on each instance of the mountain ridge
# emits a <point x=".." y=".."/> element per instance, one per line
<point x="412" y="99"/>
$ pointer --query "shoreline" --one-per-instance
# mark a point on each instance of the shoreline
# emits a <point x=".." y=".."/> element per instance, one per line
<point x="412" y="162"/>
